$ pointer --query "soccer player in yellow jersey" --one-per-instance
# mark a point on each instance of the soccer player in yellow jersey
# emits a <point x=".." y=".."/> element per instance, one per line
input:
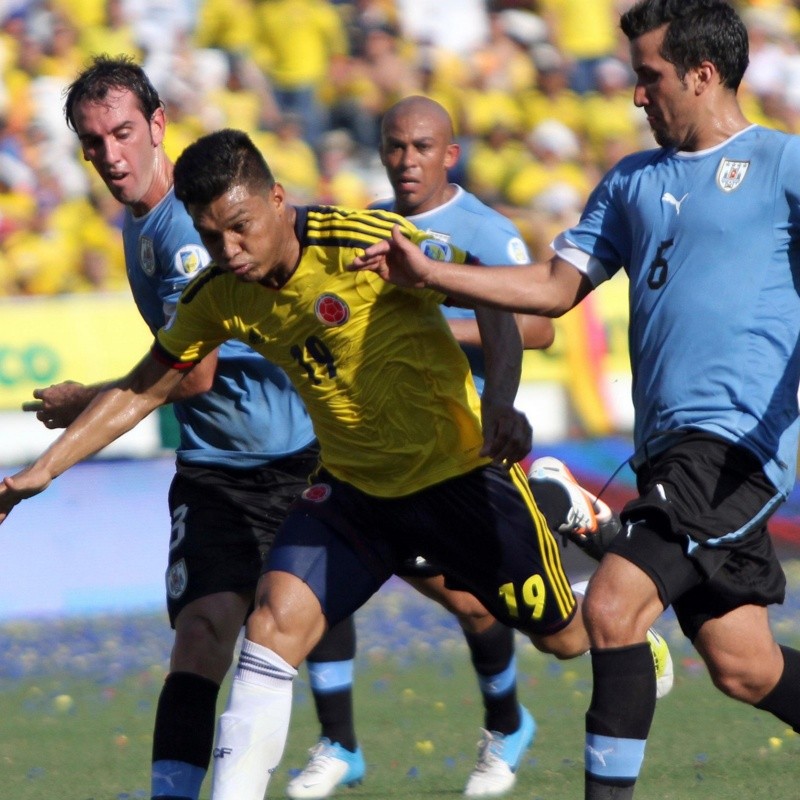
<point x="406" y="467"/>
<point x="418" y="149"/>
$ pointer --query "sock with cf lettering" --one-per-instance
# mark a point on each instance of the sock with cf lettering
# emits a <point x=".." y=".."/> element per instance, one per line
<point x="252" y="731"/>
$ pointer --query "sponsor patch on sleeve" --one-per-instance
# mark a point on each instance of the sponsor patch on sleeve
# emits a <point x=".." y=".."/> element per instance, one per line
<point x="517" y="251"/>
<point x="439" y="251"/>
<point x="190" y="258"/>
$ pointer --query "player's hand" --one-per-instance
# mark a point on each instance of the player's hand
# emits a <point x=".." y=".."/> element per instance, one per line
<point x="24" y="484"/>
<point x="397" y="260"/>
<point x="58" y="405"/>
<point x="507" y="434"/>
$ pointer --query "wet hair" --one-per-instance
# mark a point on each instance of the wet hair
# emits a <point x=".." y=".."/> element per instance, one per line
<point x="699" y="30"/>
<point x="105" y="75"/>
<point x="217" y="162"/>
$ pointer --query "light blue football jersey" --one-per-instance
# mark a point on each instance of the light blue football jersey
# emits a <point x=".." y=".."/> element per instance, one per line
<point x="711" y="243"/>
<point x="252" y="415"/>
<point x="472" y="226"/>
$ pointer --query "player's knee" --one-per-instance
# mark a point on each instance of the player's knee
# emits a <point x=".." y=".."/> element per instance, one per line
<point x="472" y="616"/>
<point x="605" y="617"/>
<point x="746" y="688"/>
<point x="286" y="625"/>
<point x="613" y="619"/>
<point x="196" y="631"/>
<point x="567" y="643"/>
<point x="560" y="649"/>
<point x="202" y="647"/>
<point x="269" y="620"/>
<point x="470" y="612"/>
<point x="475" y="624"/>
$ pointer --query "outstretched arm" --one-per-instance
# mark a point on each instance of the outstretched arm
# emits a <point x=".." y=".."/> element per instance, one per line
<point x="59" y="405"/>
<point x="549" y="289"/>
<point x="111" y="413"/>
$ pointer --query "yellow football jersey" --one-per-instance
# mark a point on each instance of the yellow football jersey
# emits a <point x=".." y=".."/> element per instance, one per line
<point x="388" y="388"/>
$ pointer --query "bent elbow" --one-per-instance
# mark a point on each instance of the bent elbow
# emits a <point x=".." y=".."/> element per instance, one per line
<point x="548" y="337"/>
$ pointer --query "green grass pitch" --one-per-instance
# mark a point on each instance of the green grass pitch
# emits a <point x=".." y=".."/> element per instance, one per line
<point x="80" y="729"/>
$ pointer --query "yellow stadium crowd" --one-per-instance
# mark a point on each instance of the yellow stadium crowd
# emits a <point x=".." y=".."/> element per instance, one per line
<point x="539" y="91"/>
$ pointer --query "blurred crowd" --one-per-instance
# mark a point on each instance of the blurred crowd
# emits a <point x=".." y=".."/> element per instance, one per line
<point x="539" y="91"/>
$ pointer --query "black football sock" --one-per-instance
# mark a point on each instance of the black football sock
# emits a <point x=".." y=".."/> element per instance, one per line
<point x="618" y="720"/>
<point x="492" y="654"/>
<point x="183" y="735"/>
<point x="784" y="699"/>
<point x="330" y="670"/>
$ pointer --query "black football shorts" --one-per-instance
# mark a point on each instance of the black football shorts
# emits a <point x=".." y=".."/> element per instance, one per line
<point x="699" y="530"/>
<point x="224" y="522"/>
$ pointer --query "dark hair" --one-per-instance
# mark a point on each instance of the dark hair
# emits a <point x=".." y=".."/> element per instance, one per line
<point x="106" y="74"/>
<point x="215" y="163"/>
<point x="699" y="30"/>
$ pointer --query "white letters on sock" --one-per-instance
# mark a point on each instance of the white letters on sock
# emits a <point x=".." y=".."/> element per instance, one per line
<point x="251" y="733"/>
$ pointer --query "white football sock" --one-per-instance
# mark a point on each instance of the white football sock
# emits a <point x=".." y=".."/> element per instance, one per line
<point x="251" y="733"/>
<point x="579" y="588"/>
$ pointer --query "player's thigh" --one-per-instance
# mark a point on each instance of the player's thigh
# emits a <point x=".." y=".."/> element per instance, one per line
<point x="470" y="611"/>
<point x="214" y="544"/>
<point x="621" y="603"/>
<point x="430" y="582"/>
<point x="223" y="523"/>
<point x="341" y="577"/>
<point x="287" y="617"/>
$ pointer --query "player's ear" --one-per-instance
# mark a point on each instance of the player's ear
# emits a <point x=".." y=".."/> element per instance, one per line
<point x="704" y="75"/>
<point x="278" y="195"/>
<point x="451" y="155"/>
<point x="158" y="122"/>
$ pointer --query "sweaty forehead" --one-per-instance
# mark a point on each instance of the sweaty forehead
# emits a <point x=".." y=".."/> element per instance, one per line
<point x="116" y="105"/>
<point x="225" y="209"/>
<point x="113" y="97"/>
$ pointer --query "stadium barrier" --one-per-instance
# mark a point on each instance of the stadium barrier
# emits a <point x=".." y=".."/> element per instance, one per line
<point x="86" y="338"/>
<point x="579" y="386"/>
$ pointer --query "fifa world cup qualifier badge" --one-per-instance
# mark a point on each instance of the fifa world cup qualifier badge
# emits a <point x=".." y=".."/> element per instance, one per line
<point x="517" y="252"/>
<point x="731" y="174"/>
<point x="438" y="251"/>
<point x="190" y="258"/>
